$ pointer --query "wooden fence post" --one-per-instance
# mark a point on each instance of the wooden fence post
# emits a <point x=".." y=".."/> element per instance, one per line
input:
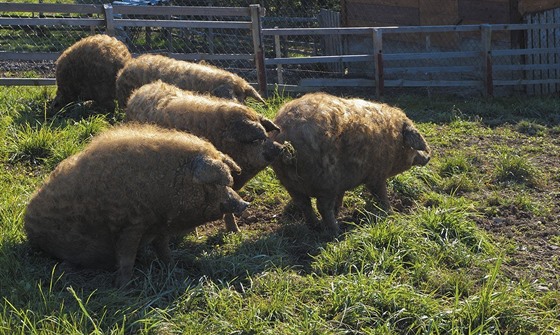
<point x="109" y="22"/>
<point x="378" y="61"/>
<point x="487" y="76"/>
<point x="278" y="49"/>
<point x="258" y="47"/>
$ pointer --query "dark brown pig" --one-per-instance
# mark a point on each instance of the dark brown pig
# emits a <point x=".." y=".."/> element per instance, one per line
<point x="88" y="69"/>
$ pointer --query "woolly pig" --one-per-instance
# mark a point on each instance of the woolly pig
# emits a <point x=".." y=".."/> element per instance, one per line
<point x="88" y="69"/>
<point x="131" y="186"/>
<point x="233" y="128"/>
<point x="340" y="144"/>
<point x="200" y="78"/>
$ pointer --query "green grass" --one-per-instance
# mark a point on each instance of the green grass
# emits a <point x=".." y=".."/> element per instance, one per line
<point x="429" y="268"/>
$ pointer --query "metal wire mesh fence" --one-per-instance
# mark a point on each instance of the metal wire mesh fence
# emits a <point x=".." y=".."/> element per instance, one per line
<point x="52" y="38"/>
<point x="456" y="57"/>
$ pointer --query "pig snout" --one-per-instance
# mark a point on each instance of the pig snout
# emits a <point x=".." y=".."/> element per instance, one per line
<point x="233" y="204"/>
<point x="272" y="150"/>
<point x="421" y="158"/>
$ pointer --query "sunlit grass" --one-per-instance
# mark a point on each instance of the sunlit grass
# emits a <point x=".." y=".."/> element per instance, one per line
<point x="428" y="268"/>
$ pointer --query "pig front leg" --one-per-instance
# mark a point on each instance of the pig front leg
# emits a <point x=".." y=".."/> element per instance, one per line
<point x="338" y="203"/>
<point x="126" y="248"/>
<point x="303" y="203"/>
<point x="231" y="225"/>
<point x="327" y="208"/>
<point x="379" y="190"/>
<point x="161" y="247"/>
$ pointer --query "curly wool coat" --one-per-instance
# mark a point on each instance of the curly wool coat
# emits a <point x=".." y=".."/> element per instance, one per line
<point x="200" y="78"/>
<point x="132" y="185"/>
<point x="340" y="144"/>
<point x="88" y="69"/>
<point x="233" y="128"/>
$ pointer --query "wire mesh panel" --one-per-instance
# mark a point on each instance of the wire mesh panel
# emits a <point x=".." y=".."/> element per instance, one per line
<point x="32" y="40"/>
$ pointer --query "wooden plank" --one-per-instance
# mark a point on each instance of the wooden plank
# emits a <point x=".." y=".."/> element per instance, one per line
<point x="526" y="82"/>
<point x="534" y="51"/>
<point x="535" y="33"/>
<point x="530" y="6"/>
<point x="182" y="23"/>
<point x="398" y="30"/>
<point x="258" y="49"/>
<point x="29" y="56"/>
<point x="27" y="81"/>
<point x="487" y="73"/>
<point x="315" y="31"/>
<point x="544" y="58"/>
<point x="378" y="62"/>
<point x="433" y="83"/>
<point x="279" y="68"/>
<point x="204" y="56"/>
<point x="51" y="8"/>
<point x="109" y="19"/>
<point x="529" y="58"/>
<point x="182" y="11"/>
<point x="431" y="55"/>
<point x="548" y="17"/>
<point x="557" y="44"/>
<point x="526" y="67"/>
<point x="327" y="82"/>
<point x="319" y="59"/>
<point x="431" y="69"/>
<point x="14" y="22"/>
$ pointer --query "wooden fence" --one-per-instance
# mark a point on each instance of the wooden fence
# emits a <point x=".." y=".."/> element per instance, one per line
<point x="476" y="68"/>
<point x="484" y="74"/>
<point x="112" y="18"/>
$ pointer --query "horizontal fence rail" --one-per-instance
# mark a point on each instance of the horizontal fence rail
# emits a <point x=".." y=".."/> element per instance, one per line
<point x="389" y="64"/>
<point x="476" y="57"/>
<point x="176" y="23"/>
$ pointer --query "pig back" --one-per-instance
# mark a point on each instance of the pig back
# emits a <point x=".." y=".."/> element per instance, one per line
<point x="334" y="144"/>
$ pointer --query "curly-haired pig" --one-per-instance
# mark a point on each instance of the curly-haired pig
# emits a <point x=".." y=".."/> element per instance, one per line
<point x="132" y="185"/>
<point x="202" y="78"/>
<point x="233" y="128"/>
<point x="339" y="144"/>
<point x="88" y="69"/>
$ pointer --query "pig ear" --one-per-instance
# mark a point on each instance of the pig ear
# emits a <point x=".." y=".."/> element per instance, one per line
<point x="246" y="131"/>
<point x="210" y="171"/>
<point x="251" y="92"/>
<point x="412" y="138"/>
<point x="231" y="163"/>
<point x="268" y="124"/>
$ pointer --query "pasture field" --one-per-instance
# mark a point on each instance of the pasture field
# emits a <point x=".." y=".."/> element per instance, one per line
<point x="472" y="248"/>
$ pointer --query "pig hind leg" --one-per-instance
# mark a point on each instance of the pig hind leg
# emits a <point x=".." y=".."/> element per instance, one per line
<point x="379" y="190"/>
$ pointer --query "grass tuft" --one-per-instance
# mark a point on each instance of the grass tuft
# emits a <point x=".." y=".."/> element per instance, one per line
<point x="513" y="168"/>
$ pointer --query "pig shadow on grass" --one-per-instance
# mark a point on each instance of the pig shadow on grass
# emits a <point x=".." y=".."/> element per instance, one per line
<point x="268" y="242"/>
<point x="282" y="241"/>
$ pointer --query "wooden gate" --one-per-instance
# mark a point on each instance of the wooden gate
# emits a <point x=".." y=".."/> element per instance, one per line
<point x="545" y="66"/>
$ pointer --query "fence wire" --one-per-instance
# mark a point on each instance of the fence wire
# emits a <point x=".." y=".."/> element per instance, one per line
<point x="304" y="14"/>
